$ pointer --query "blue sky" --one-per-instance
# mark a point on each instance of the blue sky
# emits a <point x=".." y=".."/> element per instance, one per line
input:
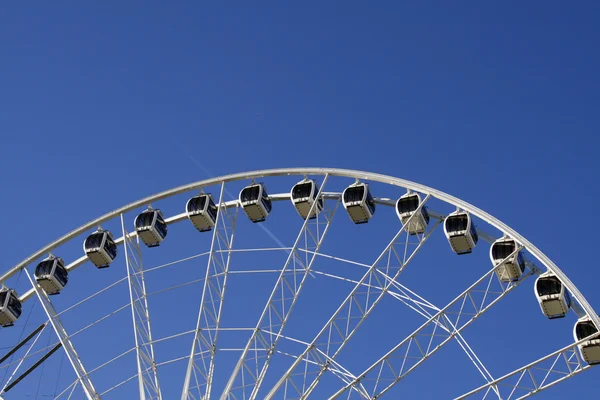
<point x="102" y="104"/>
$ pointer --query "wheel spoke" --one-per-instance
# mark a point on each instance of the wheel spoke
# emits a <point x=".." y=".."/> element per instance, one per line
<point x="252" y="367"/>
<point x="355" y="308"/>
<point x="201" y="362"/>
<point x="65" y="340"/>
<point x="407" y="355"/>
<point x="149" y="386"/>
<point x="536" y="376"/>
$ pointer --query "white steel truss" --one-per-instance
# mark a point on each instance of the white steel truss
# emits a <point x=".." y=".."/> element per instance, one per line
<point x="354" y="310"/>
<point x="407" y="355"/>
<point x="149" y="387"/>
<point x="82" y="376"/>
<point x="449" y="328"/>
<point x="251" y="368"/>
<point x="422" y="307"/>
<point x="536" y="376"/>
<point x="201" y="362"/>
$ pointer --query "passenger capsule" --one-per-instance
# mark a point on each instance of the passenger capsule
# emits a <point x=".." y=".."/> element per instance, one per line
<point x="460" y="232"/>
<point x="589" y="349"/>
<point x="151" y="227"/>
<point x="359" y="202"/>
<point x="513" y="268"/>
<point x="255" y="202"/>
<point x="10" y="307"/>
<point x="100" y="248"/>
<point x="202" y="211"/>
<point x="304" y="195"/>
<point x="554" y="299"/>
<point x="406" y="206"/>
<point x="51" y="274"/>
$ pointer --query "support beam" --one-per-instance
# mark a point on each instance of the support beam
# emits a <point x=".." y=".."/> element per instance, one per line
<point x="65" y="340"/>
<point x="407" y="355"/>
<point x="251" y="368"/>
<point x="201" y="363"/>
<point x="357" y="306"/>
<point x="149" y="387"/>
<point x="536" y="376"/>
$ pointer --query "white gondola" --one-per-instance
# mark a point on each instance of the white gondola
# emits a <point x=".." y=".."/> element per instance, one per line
<point x="554" y="299"/>
<point x="304" y="195"/>
<point x="202" y="211"/>
<point x="100" y="248"/>
<point x="151" y="227"/>
<point x="359" y="202"/>
<point x="514" y="267"/>
<point x="255" y="202"/>
<point x="51" y="274"/>
<point x="406" y="207"/>
<point x="460" y="232"/>
<point x="10" y="307"/>
<point x="590" y="349"/>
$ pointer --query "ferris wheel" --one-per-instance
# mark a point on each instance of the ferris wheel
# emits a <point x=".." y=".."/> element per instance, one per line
<point x="332" y="284"/>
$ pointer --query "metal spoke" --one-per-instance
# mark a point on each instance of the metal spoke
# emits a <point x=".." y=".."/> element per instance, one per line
<point x="313" y="359"/>
<point x="149" y="386"/>
<point x="201" y="362"/>
<point x="356" y="307"/>
<point x="421" y="306"/>
<point x="65" y="340"/>
<point x="536" y="376"/>
<point x="427" y="339"/>
<point x="251" y="368"/>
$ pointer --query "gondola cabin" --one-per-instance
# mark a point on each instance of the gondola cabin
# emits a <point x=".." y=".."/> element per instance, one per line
<point x="51" y="275"/>
<point x="406" y="207"/>
<point x="10" y="307"/>
<point x="554" y="299"/>
<point x="589" y="349"/>
<point x="513" y="268"/>
<point x="255" y="202"/>
<point x="304" y="195"/>
<point x="460" y="232"/>
<point x="151" y="227"/>
<point x="202" y="211"/>
<point x="359" y="202"/>
<point x="100" y="248"/>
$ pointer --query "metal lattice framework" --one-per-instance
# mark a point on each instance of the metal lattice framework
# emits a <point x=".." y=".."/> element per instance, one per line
<point x="311" y="358"/>
<point x="202" y="357"/>
<point x="149" y="386"/>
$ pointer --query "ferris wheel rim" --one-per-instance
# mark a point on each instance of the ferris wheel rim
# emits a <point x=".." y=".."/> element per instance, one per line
<point x="339" y="172"/>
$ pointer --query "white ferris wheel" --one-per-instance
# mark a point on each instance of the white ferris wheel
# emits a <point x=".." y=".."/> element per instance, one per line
<point x="189" y="294"/>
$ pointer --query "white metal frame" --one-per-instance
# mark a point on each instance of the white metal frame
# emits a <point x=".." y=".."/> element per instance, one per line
<point x="408" y="354"/>
<point x="536" y="376"/>
<point x="279" y="305"/>
<point x="357" y="306"/>
<point x="204" y="344"/>
<point x="545" y="260"/>
<point x="579" y="303"/>
<point x="148" y="382"/>
<point x="82" y="375"/>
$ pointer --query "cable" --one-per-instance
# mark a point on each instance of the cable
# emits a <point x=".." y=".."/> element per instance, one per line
<point x="20" y="336"/>
<point x="37" y="392"/>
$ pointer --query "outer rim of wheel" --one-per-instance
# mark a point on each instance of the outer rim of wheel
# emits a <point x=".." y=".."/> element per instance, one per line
<point x="386" y="179"/>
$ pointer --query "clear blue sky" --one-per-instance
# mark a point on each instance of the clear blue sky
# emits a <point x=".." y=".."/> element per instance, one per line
<point x="102" y="104"/>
